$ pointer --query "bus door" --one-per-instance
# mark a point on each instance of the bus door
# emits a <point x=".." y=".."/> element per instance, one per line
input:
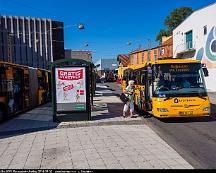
<point x="41" y="83"/>
<point x="142" y="90"/>
<point x="148" y="88"/>
<point x="19" y="88"/>
<point x="3" y="93"/>
<point x="49" y="86"/>
<point x="137" y="88"/>
<point x="8" y="83"/>
<point x="43" y="86"/>
<point x="26" y="89"/>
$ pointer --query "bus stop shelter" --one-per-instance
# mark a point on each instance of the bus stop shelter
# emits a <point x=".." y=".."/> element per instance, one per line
<point x="73" y="88"/>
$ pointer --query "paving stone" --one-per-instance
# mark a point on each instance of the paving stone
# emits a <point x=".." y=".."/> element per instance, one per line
<point x="99" y="143"/>
<point x="18" y="160"/>
<point x="16" y="166"/>
<point x="114" y="166"/>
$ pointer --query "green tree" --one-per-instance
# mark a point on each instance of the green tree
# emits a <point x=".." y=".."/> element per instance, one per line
<point x="176" y="17"/>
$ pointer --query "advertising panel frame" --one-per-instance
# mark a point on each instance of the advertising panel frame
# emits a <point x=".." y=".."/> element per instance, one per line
<point x="87" y="111"/>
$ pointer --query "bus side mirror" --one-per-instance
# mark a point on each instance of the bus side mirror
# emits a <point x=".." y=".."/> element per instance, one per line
<point x="205" y="71"/>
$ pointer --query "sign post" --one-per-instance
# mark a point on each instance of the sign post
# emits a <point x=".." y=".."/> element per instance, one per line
<point x="71" y="92"/>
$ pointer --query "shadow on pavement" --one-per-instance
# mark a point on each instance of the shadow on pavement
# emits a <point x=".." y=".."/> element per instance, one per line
<point x="38" y="119"/>
<point x="114" y="110"/>
<point x="29" y="129"/>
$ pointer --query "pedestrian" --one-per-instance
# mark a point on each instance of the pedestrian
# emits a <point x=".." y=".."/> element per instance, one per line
<point x="103" y="78"/>
<point x="129" y="91"/>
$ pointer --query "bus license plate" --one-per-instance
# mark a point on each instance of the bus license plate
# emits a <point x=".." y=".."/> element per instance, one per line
<point x="185" y="113"/>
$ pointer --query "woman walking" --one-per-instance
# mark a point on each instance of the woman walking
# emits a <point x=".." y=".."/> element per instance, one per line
<point x="129" y="91"/>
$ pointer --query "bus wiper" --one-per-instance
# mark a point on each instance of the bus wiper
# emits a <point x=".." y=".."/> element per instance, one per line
<point x="168" y="98"/>
<point x="202" y="97"/>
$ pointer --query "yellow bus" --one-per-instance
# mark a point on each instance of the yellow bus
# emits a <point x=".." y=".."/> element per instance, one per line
<point x="171" y="88"/>
<point x="21" y="88"/>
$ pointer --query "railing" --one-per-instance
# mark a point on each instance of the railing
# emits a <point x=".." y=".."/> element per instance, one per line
<point x="184" y="47"/>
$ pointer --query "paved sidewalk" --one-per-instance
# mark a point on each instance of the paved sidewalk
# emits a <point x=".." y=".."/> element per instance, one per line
<point x="109" y="141"/>
<point x="99" y="147"/>
<point x="107" y="110"/>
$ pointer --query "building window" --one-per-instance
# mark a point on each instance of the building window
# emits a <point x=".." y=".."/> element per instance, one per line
<point x="132" y="60"/>
<point x="149" y="55"/>
<point x="205" y="30"/>
<point x="155" y="54"/>
<point x="189" y="39"/>
<point x="162" y="51"/>
<point x="137" y="59"/>
<point x="142" y="57"/>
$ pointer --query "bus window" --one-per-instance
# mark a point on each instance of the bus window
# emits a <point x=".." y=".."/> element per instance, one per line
<point x="41" y="82"/>
<point x="187" y="81"/>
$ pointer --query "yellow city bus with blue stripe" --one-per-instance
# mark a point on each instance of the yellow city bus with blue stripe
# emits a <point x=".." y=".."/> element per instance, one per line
<point x="171" y="88"/>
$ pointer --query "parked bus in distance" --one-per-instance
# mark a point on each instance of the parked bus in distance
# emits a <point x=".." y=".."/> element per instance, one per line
<point x="172" y="88"/>
<point x="110" y="76"/>
<point x="21" y="89"/>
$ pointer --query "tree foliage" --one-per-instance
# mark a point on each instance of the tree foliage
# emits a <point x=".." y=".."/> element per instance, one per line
<point x="176" y="17"/>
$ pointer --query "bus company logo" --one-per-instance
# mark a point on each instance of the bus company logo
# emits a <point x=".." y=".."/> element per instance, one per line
<point x="176" y="100"/>
<point x="70" y="74"/>
<point x="183" y="100"/>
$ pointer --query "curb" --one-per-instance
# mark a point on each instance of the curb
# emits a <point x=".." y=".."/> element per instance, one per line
<point x="23" y="131"/>
<point x="72" y="125"/>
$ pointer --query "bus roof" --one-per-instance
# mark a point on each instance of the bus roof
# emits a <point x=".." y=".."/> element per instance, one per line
<point x="164" y="61"/>
<point x="174" y="60"/>
<point x="20" y="66"/>
<point x="12" y="64"/>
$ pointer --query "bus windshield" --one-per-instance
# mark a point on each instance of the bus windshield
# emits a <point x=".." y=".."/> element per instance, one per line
<point x="172" y="80"/>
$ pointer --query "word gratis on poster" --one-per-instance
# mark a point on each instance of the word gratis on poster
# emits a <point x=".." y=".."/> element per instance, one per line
<point x="71" y="87"/>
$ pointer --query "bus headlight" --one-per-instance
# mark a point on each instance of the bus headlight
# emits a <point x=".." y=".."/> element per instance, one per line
<point x="162" y="110"/>
<point x="206" y="109"/>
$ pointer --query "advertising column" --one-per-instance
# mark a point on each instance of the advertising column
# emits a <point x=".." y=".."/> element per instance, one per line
<point x="70" y="89"/>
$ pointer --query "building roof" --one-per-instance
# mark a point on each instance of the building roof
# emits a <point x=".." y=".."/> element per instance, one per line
<point x="168" y="42"/>
<point x="71" y="50"/>
<point x="78" y="54"/>
<point x="27" y="17"/>
<point x="142" y="50"/>
<point x="124" y="59"/>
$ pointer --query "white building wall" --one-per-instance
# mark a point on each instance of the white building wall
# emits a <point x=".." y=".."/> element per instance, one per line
<point x="202" y="43"/>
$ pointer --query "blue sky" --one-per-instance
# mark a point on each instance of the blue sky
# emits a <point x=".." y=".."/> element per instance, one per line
<point x="110" y="24"/>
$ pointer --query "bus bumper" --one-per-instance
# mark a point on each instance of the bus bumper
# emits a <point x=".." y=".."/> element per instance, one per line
<point x="190" y="113"/>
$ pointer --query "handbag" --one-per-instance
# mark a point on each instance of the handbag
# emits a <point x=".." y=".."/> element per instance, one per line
<point x="124" y="98"/>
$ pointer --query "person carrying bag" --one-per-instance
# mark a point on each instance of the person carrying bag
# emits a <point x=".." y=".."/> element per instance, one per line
<point x="129" y="102"/>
